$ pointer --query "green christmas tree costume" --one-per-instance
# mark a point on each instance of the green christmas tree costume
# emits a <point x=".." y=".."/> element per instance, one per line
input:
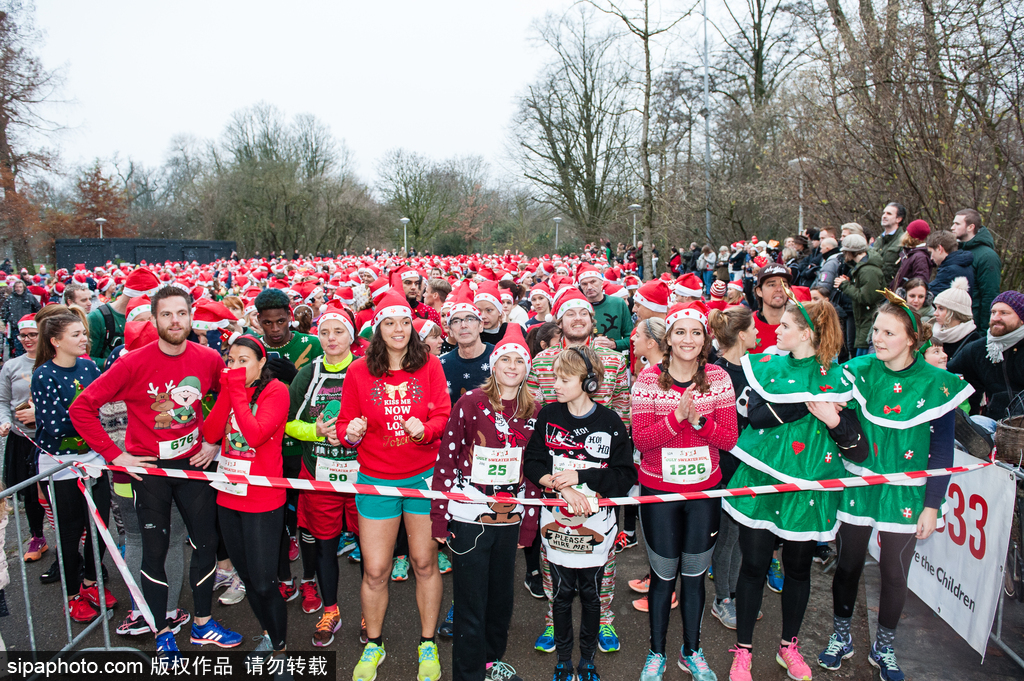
<point x="791" y="452"/>
<point x="895" y="410"/>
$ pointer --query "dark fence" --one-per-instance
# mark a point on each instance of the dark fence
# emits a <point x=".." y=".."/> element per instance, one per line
<point x="96" y="252"/>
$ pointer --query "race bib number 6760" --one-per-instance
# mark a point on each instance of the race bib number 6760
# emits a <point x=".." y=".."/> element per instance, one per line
<point x="172" y="449"/>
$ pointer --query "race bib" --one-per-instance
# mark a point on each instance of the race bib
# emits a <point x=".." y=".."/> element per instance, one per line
<point x="172" y="449"/>
<point x="685" y="465"/>
<point x="230" y="466"/>
<point x="563" y="463"/>
<point x="334" y="470"/>
<point x="492" y="466"/>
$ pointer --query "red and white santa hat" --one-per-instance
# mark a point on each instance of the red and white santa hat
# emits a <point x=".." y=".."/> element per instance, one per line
<point x="487" y="292"/>
<point x="512" y="341"/>
<point x="631" y="282"/>
<point x="653" y="295"/>
<point x="734" y="285"/>
<point x="588" y="272"/>
<point x="210" y="315"/>
<point x="543" y="290"/>
<point x="572" y="299"/>
<point x="613" y="289"/>
<point x="136" y="308"/>
<point x="336" y="312"/>
<point x="29" y="322"/>
<point x="378" y="288"/>
<point x="693" y="310"/>
<point x="688" y="285"/>
<point x="391" y="304"/>
<point x="462" y="303"/>
<point x="345" y="294"/>
<point x="424" y="327"/>
<point x="141" y="282"/>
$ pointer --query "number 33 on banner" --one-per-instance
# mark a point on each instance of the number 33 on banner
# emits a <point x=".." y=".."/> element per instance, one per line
<point x="960" y="530"/>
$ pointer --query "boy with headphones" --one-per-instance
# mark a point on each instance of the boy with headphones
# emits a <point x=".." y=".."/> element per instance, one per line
<point x="580" y="450"/>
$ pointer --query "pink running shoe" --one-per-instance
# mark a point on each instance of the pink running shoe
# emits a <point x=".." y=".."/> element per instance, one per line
<point x="793" y="662"/>
<point x="741" y="661"/>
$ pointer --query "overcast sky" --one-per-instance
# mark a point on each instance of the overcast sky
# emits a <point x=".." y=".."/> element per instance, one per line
<point x="439" y="78"/>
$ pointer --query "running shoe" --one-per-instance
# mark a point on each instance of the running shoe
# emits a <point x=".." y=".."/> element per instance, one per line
<point x="741" y="661"/>
<point x="563" y="671"/>
<point x="311" y="601"/>
<point x="347" y="543"/>
<point x="81" y="610"/>
<point x="641" y="603"/>
<point x="586" y="671"/>
<point x="775" y="576"/>
<point x="366" y="668"/>
<point x="430" y="663"/>
<point x="447" y="626"/>
<point x="214" y="632"/>
<point x="884" y="660"/>
<point x="624" y="541"/>
<point x="52" y="573"/>
<point x="607" y="639"/>
<point x="329" y="624"/>
<point x="36" y="548"/>
<point x="133" y="625"/>
<point x="641" y="586"/>
<point x="443" y="564"/>
<point x="293" y="549"/>
<point x="363" y="638"/>
<point x="501" y="671"/>
<point x="234" y="593"/>
<point x="654" y="667"/>
<point x="696" y="666"/>
<point x="289" y="591"/>
<point x="356" y="556"/>
<point x="222" y="578"/>
<point x="167" y="649"/>
<point x="180" y="619"/>
<point x="835" y="652"/>
<point x="711" y="572"/>
<point x="545" y="643"/>
<point x="265" y="645"/>
<point x="92" y="594"/>
<point x="823" y="554"/>
<point x="725" y="612"/>
<point x="793" y="662"/>
<point x="535" y="584"/>
<point x="400" y="569"/>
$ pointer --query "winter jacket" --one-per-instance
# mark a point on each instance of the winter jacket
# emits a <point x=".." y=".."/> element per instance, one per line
<point x="1000" y="382"/>
<point x="866" y="280"/>
<point x="888" y="248"/>
<point x="987" y="274"/>
<point x="16" y="307"/>
<point x="914" y="263"/>
<point x="830" y="266"/>
<point x="956" y="264"/>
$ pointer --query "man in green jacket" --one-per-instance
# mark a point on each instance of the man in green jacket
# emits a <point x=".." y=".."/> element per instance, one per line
<point x="612" y="320"/>
<point x="987" y="267"/>
<point x="887" y="244"/>
<point x="862" y="287"/>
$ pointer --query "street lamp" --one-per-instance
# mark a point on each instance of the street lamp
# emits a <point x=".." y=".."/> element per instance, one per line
<point x="100" y="222"/>
<point x="558" y="221"/>
<point x="633" y="208"/>
<point x="797" y="166"/>
<point x="405" y="232"/>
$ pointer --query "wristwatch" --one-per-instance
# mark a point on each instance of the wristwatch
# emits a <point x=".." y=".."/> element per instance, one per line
<point x="701" y="422"/>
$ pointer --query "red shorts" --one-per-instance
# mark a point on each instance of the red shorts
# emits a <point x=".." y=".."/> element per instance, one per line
<point x="326" y="514"/>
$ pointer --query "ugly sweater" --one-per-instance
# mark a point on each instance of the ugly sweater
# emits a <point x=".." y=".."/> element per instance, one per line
<point x="613" y="392"/>
<point x="613" y="320"/>
<point x="309" y="398"/>
<point x="54" y="389"/>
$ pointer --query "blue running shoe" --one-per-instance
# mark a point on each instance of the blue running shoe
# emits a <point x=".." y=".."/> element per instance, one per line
<point x="347" y="543"/>
<point x="586" y="671"/>
<point x="884" y="661"/>
<point x="654" y="667"/>
<point x="213" y="632"/>
<point x="563" y="670"/>
<point x="696" y="666"/>
<point x="167" y="649"/>
<point x="546" y="644"/>
<point x="447" y="627"/>
<point x="607" y="639"/>
<point x="775" y="576"/>
<point x="356" y="556"/>
<point x="835" y="652"/>
<point x="711" y="572"/>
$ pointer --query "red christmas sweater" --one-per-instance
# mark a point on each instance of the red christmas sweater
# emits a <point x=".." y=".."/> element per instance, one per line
<point x="250" y="440"/>
<point x="655" y="426"/>
<point x="162" y="394"/>
<point x="386" y="451"/>
<point x="766" y="334"/>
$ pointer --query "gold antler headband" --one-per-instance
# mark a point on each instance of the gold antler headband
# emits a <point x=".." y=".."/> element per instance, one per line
<point x="899" y="302"/>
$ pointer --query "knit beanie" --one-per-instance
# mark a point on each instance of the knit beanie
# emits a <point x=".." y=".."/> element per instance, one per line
<point x="956" y="298"/>
<point x="718" y="289"/>
<point x="1015" y="299"/>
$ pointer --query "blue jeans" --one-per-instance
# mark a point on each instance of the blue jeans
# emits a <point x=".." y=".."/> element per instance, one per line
<point x="640" y="271"/>
<point x="709" y="278"/>
<point x="862" y="351"/>
<point x="985" y="422"/>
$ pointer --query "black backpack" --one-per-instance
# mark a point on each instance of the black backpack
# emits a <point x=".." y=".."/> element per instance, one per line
<point x="110" y="340"/>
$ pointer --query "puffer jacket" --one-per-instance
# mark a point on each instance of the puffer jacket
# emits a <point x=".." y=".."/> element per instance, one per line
<point x="866" y="280"/>
<point x="914" y="263"/>
<point x="987" y="274"/>
<point x="956" y="264"/>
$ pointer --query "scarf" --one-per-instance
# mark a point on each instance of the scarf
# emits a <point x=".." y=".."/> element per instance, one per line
<point x="953" y="334"/>
<point x="997" y="344"/>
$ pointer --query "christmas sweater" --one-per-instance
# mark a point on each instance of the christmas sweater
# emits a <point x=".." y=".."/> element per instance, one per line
<point x="424" y="311"/>
<point x="316" y="388"/>
<point x="613" y="392"/>
<point x="300" y="351"/>
<point x="673" y="456"/>
<point x="896" y="409"/>
<point x="766" y="335"/>
<point x="386" y="401"/>
<point x="250" y="436"/>
<point x="613" y="320"/>
<point x="482" y="453"/>
<point x="597" y="446"/>
<point x="163" y="396"/>
<point x="463" y="375"/>
<point x="784" y="442"/>
<point x="54" y="389"/>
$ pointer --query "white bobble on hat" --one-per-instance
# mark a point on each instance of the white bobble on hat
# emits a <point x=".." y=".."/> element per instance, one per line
<point x="956" y="298"/>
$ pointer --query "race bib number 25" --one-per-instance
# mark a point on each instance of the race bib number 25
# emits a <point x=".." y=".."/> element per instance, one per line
<point x="172" y="449"/>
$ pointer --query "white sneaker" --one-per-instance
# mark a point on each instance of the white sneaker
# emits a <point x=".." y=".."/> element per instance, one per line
<point x="234" y="593"/>
<point x="223" y="578"/>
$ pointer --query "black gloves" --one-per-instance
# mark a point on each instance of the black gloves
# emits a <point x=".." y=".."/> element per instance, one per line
<point x="282" y="369"/>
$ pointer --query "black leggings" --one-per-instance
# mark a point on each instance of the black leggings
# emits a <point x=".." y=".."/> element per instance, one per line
<point x="896" y="554"/>
<point x="566" y="582"/>
<point x="197" y="503"/>
<point x="72" y="515"/>
<point x="252" y="541"/>
<point x="325" y="558"/>
<point x="680" y="538"/>
<point x="757" y="547"/>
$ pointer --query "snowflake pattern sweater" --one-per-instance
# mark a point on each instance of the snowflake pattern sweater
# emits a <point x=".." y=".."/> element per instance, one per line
<point x="464" y="375"/>
<point x="656" y="428"/>
<point x="54" y="389"/>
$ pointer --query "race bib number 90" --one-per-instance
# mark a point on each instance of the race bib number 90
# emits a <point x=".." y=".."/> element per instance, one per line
<point x="685" y="465"/>
<point x="492" y="466"/>
<point x="333" y="470"/>
<point x="172" y="449"/>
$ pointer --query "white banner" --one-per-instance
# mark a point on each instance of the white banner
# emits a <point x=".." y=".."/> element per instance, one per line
<point x="958" y="571"/>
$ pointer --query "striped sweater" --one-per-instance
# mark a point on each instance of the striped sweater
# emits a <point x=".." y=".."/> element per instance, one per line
<point x="655" y="426"/>
<point x="613" y="392"/>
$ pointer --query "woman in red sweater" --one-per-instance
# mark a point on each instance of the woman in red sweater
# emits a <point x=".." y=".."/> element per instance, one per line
<point x="249" y="418"/>
<point x="394" y="407"/>
<point x="684" y="412"/>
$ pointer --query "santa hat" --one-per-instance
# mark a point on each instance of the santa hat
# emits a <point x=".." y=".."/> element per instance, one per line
<point x="487" y="292"/>
<point x="543" y="290"/>
<point x="424" y="327"/>
<point x="27" y="322"/>
<point x="688" y="285"/>
<point x="653" y="295"/>
<point x="141" y="282"/>
<point x="734" y="285"/>
<point x="694" y="310"/>
<point x="506" y="295"/>
<point x="209" y="315"/>
<point x="391" y="304"/>
<point x="512" y="341"/>
<point x="307" y="290"/>
<point x="631" y="282"/>
<point x="616" y="290"/>
<point x="570" y="300"/>
<point x="138" y="334"/>
<point x="587" y="272"/>
<point x="463" y="303"/>
<point x="137" y="307"/>
<point x="337" y="312"/>
<point x="801" y="293"/>
<point x="378" y="288"/>
<point x="346" y="295"/>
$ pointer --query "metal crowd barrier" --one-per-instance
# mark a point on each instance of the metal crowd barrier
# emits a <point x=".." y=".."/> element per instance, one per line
<point x="997" y="636"/>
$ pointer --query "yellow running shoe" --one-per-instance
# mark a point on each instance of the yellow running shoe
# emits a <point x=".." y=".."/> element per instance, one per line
<point x="430" y="665"/>
<point x="366" y="668"/>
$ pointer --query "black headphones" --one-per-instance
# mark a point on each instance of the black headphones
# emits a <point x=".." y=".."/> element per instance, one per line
<point x="589" y="383"/>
